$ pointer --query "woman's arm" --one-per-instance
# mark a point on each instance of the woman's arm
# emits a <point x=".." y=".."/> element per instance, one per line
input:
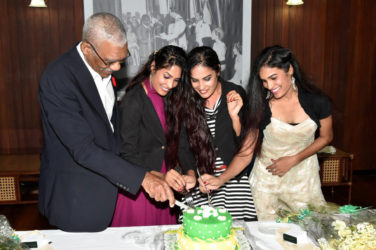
<point x="234" y="104"/>
<point x="284" y="164"/>
<point x="240" y="161"/>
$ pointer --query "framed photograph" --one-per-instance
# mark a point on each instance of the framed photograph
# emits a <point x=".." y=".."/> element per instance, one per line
<point x="224" y="25"/>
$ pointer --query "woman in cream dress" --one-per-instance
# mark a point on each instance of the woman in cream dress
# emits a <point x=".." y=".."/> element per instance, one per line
<point x="289" y="120"/>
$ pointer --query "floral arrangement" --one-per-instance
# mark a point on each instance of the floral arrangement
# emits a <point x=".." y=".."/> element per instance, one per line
<point x="333" y="227"/>
<point x="8" y="239"/>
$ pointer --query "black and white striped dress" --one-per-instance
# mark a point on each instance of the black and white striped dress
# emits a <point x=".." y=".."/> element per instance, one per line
<point x="235" y="196"/>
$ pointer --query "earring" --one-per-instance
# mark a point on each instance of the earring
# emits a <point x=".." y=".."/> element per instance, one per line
<point x="151" y="86"/>
<point x="293" y="83"/>
<point x="268" y="95"/>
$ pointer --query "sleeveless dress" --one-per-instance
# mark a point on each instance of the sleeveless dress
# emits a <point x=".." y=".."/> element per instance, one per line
<point x="235" y="195"/>
<point x="140" y="209"/>
<point x="301" y="185"/>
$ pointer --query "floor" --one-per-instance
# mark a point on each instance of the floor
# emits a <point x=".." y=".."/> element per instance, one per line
<point x="27" y="217"/>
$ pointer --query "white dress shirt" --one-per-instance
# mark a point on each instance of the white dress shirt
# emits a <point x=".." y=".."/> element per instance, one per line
<point x="104" y="87"/>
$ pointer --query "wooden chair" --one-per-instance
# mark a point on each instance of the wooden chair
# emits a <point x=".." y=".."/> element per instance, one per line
<point x="19" y="177"/>
<point x="336" y="170"/>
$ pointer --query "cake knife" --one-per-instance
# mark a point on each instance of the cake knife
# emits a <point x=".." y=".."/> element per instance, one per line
<point x="207" y="191"/>
<point x="188" y="198"/>
<point x="181" y="204"/>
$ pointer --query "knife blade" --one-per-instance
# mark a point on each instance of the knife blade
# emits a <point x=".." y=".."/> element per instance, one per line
<point x="181" y="204"/>
<point x="207" y="191"/>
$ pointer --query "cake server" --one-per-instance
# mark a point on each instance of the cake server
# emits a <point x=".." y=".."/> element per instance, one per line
<point x="207" y="191"/>
<point x="181" y="204"/>
<point x="188" y="198"/>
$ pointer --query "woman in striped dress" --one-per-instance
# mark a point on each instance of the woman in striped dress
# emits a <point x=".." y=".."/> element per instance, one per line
<point x="212" y="132"/>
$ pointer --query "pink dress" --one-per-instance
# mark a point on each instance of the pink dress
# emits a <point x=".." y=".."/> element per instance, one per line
<point x="140" y="209"/>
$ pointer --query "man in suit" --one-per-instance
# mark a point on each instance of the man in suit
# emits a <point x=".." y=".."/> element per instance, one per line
<point x="81" y="170"/>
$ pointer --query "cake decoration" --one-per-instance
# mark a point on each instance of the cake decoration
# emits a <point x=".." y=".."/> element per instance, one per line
<point x="209" y="211"/>
<point x="197" y="217"/>
<point x="222" y="218"/>
<point x="206" y="228"/>
<point x="190" y="210"/>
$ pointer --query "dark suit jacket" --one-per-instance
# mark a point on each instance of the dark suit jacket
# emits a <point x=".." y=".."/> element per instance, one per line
<point x="81" y="169"/>
<point x="143" y="141"/>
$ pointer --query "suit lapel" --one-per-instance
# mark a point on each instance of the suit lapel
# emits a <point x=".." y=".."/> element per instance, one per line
<point x="153" y="120"/>
<point x="87" y="86"/>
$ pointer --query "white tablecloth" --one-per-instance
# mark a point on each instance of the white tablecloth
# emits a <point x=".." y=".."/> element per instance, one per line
<point x="149" y="237"/>
<point x="121" y="238"/>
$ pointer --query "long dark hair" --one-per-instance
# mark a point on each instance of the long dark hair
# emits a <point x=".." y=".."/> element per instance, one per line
<point x="199" y="136"/>
<point x="167" y="57"/>
<point x="273" y="57"/>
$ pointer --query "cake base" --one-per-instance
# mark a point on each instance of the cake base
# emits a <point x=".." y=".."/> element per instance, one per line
<point x="171" y="241"/>
<point x="184" y="242"/>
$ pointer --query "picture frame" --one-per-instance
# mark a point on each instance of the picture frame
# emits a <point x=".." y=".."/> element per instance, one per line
<point x="152" y="24"/>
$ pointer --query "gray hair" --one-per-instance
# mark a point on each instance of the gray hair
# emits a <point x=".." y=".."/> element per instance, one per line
<point x="104" y="26"/>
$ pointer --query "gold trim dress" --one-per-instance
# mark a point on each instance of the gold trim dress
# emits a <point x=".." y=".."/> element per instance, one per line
<point x="301" y="185"/>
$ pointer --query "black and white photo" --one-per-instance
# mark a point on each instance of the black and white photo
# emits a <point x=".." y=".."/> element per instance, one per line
<point x="152" y="24"/>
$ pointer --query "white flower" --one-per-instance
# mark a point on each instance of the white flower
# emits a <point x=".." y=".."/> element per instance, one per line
<point x="339" y="225"/>
<point x="361" y="236"/>
<point x="222" y="218"/>
<point x="344" y="232"/>
<point x="324" y="244"/>
<point x="209" y="211"/>
<point x="190" y="211"/>
<point x="197" y="217"/>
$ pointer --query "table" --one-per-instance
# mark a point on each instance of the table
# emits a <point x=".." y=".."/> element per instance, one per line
<point x="120" y="238"/>
<point x="147" y="237"/>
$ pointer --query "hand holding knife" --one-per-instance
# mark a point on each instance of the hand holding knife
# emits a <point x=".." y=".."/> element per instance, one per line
<point x="207" y="191"/>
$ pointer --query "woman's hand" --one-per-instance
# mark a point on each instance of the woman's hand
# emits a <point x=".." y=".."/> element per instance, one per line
<point x="282" y="165"/>
<point x="175" y="180"/>
<point x="190" y="181"/>
<point x="234" y="103"/>
<point x="209" y="182"/>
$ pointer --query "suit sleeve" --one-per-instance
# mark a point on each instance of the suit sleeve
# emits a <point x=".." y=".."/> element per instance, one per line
<point x="62" y="109"/>
<point x="130" y="113"/>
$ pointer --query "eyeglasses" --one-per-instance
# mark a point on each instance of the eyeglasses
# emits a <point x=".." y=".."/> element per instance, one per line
<point x="108" y="64"/>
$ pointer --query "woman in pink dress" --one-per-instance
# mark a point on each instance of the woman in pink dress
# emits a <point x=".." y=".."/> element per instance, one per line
<point x="149" y="132"/>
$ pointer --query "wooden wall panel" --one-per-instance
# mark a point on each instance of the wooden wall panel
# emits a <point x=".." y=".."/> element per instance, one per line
<point x="334" y="40"/>
<point x="30" y="39"/>
<point x="360" y="117"/>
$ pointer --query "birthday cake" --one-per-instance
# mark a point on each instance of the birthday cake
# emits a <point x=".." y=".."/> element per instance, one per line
<point x="206" y="228"/>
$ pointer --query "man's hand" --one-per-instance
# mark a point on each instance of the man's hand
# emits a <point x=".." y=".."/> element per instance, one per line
<point x="157" y="188"/>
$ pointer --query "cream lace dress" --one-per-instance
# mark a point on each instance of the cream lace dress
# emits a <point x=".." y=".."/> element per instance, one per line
<point x="301" y="185"/>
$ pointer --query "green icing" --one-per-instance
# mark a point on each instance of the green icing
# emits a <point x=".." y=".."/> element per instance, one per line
<point x="207" y="229"/>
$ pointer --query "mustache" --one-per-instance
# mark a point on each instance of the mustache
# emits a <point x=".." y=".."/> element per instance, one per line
<point x="106" y="70"/>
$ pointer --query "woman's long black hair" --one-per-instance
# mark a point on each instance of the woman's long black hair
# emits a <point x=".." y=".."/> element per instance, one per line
<point x="272" y="57"/>
<point x="199" y="136"/>
<point x="167" y="57"/>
